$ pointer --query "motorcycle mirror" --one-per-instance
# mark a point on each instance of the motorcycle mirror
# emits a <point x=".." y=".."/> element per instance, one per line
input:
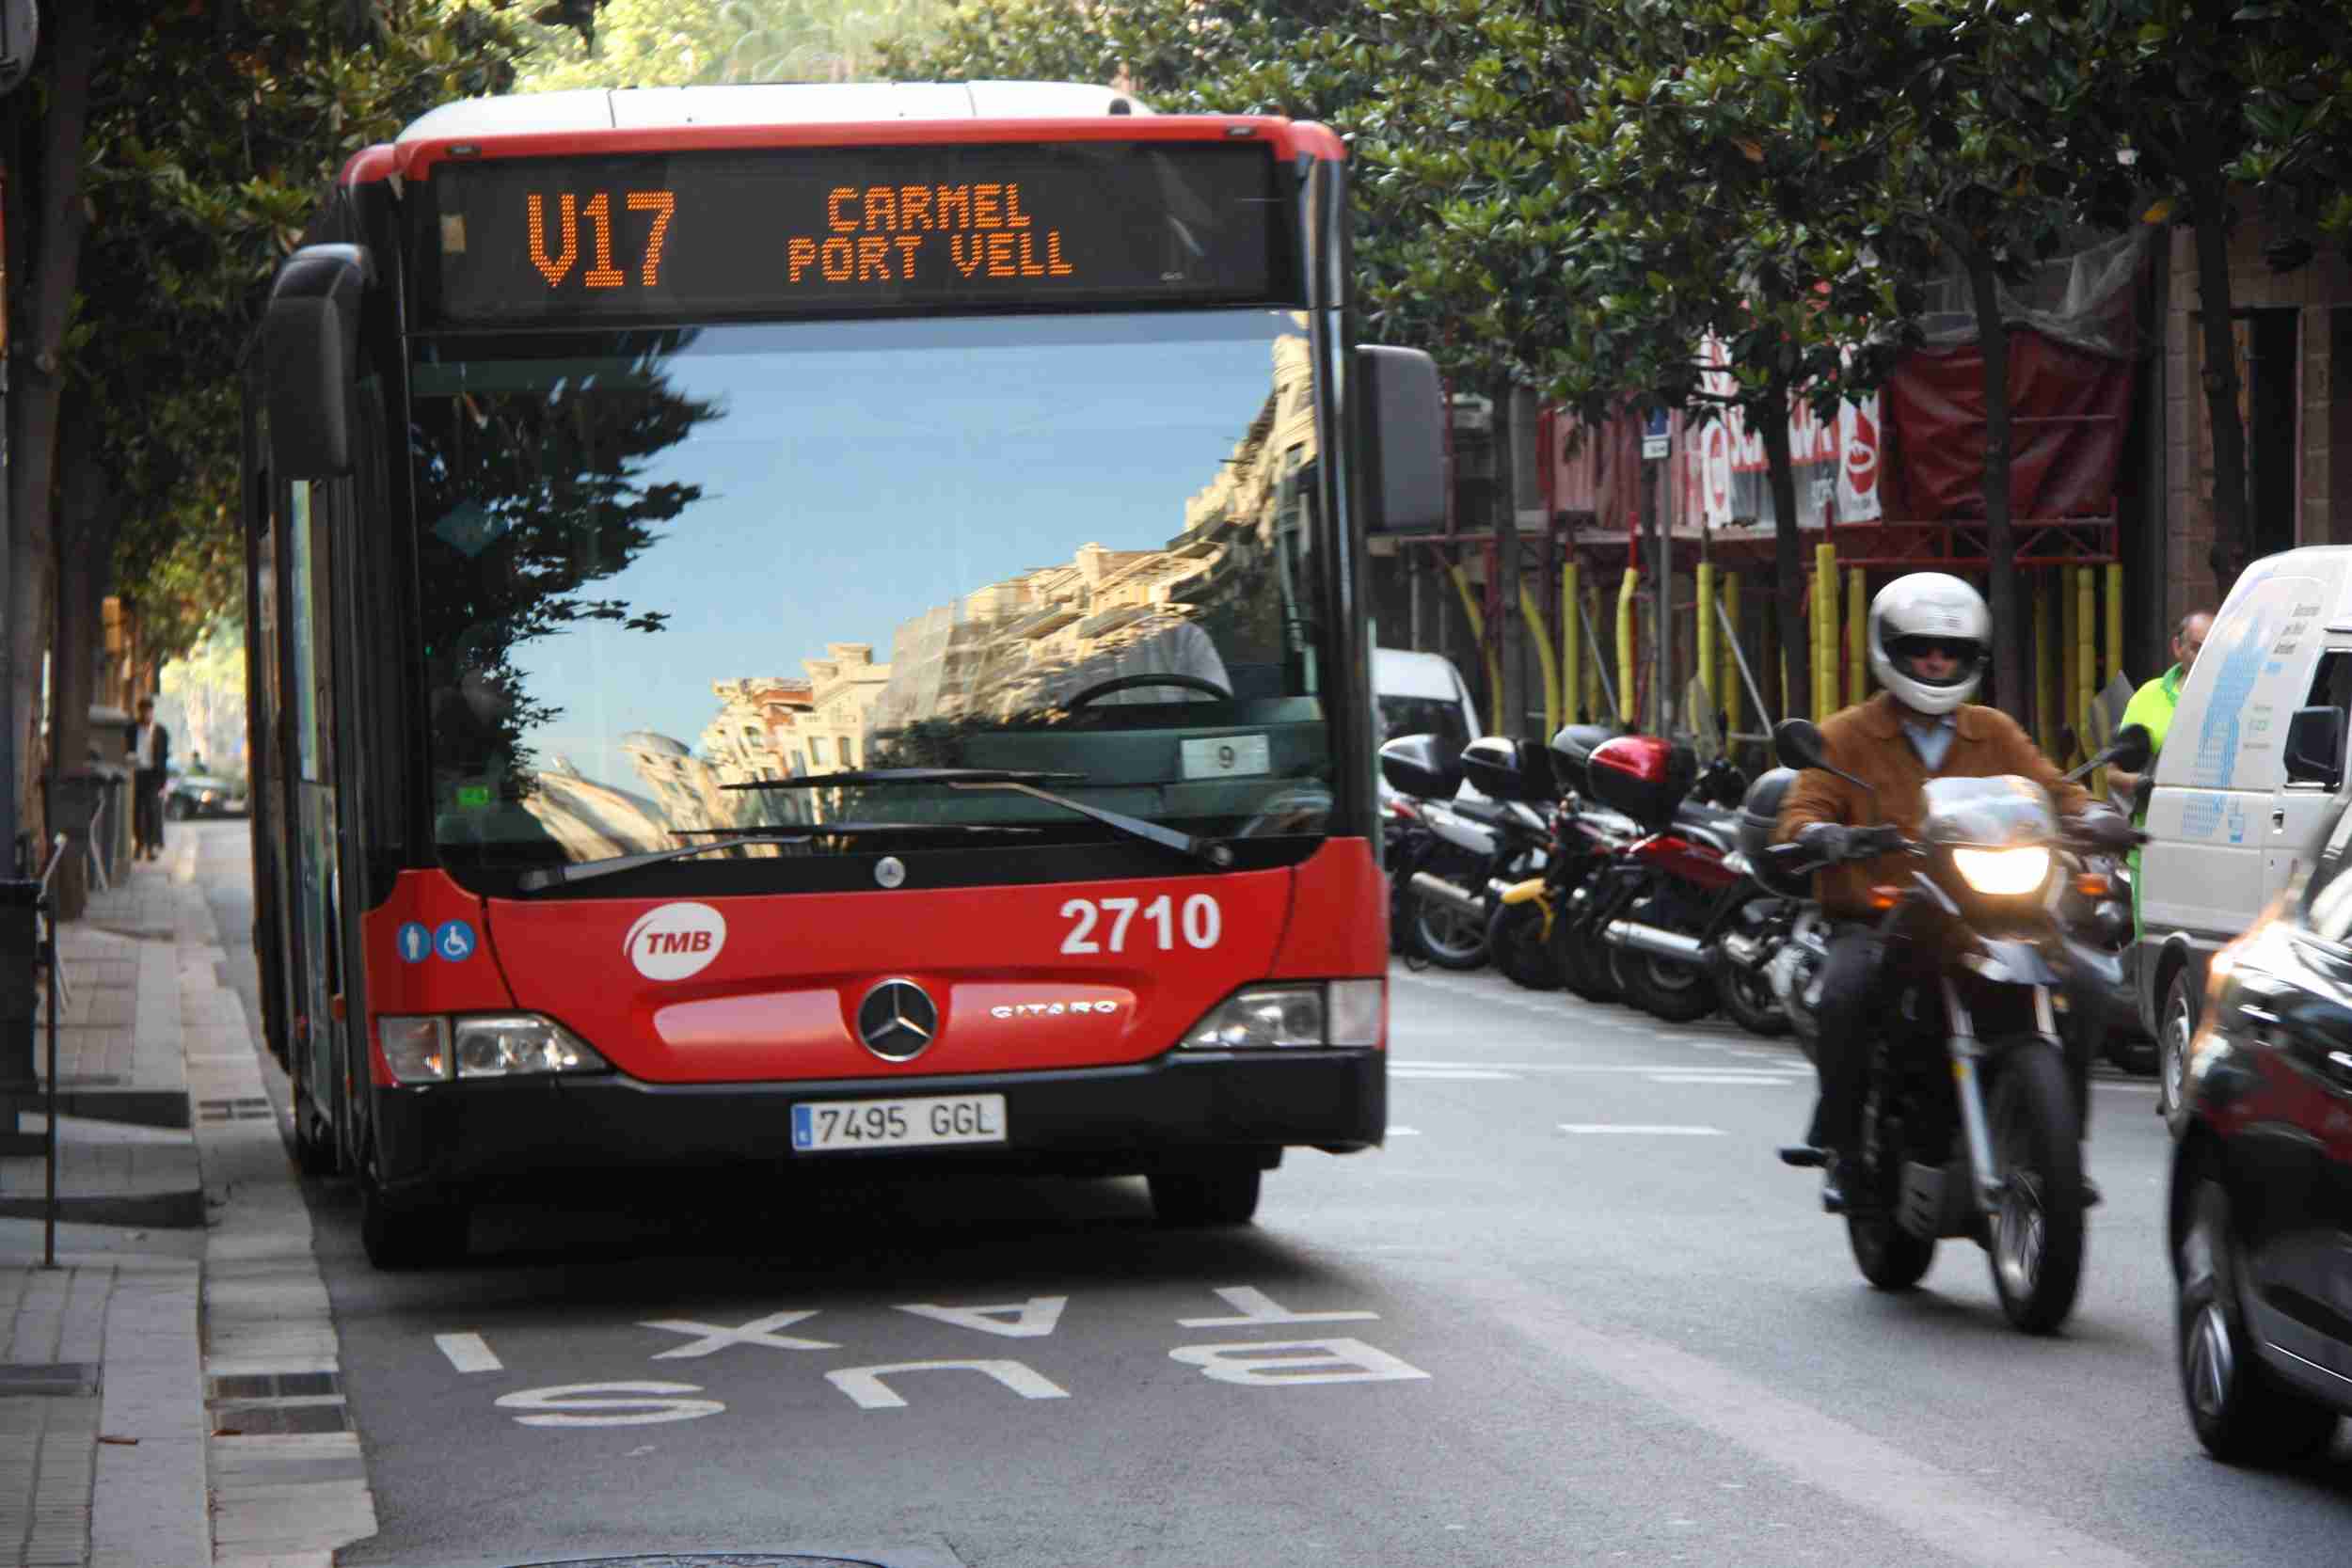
<point x="1797" y="743"/>
<point x="2130" y="751"/>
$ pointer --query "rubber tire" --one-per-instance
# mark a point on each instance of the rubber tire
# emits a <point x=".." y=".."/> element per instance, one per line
<point x="1584" y="966"/>
<point x="1761" y="1014"/>
<point x="1889" y="1256"/>
<point x="1517" y="948"/>
<point x="2032" y="1097"/>
<point x="416" y="1235"/>
<point x="1638" y="977"/>
<point x="1185" y="1200"/>
<point x="2175" y="1026"/>
<point x="313" y="1154"/>
<point x="2252" y="1419"/>
<point x="1456" y="957"/>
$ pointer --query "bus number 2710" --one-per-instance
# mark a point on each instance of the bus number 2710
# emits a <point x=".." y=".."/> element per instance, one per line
<point x="1101" y="925"/>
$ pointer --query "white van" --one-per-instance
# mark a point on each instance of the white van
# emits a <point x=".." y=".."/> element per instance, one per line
<point x="2252" y="760"/>
<point x="1421" y="694"/>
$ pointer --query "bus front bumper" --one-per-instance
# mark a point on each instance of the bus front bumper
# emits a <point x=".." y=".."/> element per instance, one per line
<point x="1180" y="1111"/>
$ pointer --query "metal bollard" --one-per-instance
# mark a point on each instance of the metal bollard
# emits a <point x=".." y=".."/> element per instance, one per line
<point x="20" y="957"/>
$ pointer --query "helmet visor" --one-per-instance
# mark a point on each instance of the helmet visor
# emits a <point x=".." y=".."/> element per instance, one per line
<point x="1937" y="660"/>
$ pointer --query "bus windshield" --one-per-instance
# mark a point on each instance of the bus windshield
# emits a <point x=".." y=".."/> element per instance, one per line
<point x="662" y="570"/>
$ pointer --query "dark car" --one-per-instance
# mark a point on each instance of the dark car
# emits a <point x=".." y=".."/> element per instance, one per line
<point x="2261" y="1175"/>
<point x="188" y="795"/>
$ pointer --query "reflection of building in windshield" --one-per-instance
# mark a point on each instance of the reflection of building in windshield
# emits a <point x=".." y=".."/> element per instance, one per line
<point x="1219" y="603"/>
<point x="593" y="820"/>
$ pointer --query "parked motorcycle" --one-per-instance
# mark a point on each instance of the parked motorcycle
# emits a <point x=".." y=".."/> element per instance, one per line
<point x="1526" y="937"/>
<point x="1647" y="909"/>
<point x="1448" y="881"/>
<point x="1971" y="1124"/>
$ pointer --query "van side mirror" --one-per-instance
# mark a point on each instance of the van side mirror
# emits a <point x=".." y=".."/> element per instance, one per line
<point x="2315" y="747"/>
<point x="309" y="358"/>
<point x="1401" y="418"/>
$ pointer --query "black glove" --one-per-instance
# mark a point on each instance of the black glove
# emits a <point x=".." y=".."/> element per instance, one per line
<point x="2106" y="829"/>
<point x="1825" y="841"/>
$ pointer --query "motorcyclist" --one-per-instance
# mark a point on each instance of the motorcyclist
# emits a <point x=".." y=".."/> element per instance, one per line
<point x="1927" y="639"/>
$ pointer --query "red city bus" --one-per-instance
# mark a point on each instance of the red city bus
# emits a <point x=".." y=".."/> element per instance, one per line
<point x="822" y="627"/>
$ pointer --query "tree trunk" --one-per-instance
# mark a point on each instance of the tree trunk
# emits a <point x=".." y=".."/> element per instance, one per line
<point x="2208" y="209"/>
<point x="2000" y="544"/>
<point x="51" y="262"/>
<point x="1789" y="564"/>
<point x="88" y="520"/>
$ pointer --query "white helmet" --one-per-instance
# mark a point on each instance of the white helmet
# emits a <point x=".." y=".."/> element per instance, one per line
<point x="1934" y="607"/>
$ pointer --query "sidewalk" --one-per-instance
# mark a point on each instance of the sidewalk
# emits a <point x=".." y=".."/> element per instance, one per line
<point x="169" y="1395"/>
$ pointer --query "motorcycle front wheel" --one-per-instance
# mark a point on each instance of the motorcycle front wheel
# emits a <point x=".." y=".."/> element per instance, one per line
<point x="1516" y="946"/>
<point x="1747" y="997"/>
<point x="1446" y="934"/>
<point x="1584" y="963"/>
<point x="2035" y="1233"/>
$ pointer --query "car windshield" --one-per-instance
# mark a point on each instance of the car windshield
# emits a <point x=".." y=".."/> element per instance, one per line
<point x="663" y="570"/>
<point x="1436" y="715"/>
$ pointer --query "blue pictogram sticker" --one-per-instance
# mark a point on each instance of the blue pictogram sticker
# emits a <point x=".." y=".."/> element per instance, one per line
<point x="454" y="940"/>
<point x="416" y="942"/>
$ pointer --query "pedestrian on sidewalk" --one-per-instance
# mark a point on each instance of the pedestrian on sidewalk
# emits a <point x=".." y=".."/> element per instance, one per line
<point x="150" y="756"/>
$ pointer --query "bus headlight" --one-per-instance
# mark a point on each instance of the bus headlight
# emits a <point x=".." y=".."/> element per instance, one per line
<point x="507" y="1045"/>
<point x="1306" y="1013"/>
<point x="431" y="1050"/>
<point x="2004" y="873"/>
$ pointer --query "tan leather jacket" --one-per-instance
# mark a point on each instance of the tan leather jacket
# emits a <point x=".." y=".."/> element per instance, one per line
<point x="1868" y="740"/>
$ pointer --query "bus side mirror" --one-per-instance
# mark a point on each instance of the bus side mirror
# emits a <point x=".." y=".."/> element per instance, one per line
<point x="2315" y="747"/>
<point x="310" y="355"/>
<point x="1403" y="426"/>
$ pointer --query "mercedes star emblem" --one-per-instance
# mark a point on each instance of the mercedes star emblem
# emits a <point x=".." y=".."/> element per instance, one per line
<point x="897" y="1020"/>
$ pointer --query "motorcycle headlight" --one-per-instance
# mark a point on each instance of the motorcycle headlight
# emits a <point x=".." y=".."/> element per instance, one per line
<point x="2004" y="873"/>
<point x="1311" y="1013"/>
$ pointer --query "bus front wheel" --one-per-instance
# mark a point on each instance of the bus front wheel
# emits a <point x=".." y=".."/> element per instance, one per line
<point x="413" y="1234"/>
<point x="1193" y="1198"/>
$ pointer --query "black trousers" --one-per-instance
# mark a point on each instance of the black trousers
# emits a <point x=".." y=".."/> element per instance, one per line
<point x="1861" y="979"/>
<point x="147" y="808"/>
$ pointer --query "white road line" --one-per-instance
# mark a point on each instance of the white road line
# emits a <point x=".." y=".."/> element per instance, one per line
<point x="1733" y="1078"/>
<point x="1404" y="1132"/>
<point x="1395" y="1072"/>
<point x="1642" y="1129"/>
<point x="1396" y="1067"/>
<point x="469" y="1353"/>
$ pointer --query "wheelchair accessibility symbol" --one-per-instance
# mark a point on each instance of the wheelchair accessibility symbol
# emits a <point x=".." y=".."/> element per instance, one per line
<point x="454" y="940"/>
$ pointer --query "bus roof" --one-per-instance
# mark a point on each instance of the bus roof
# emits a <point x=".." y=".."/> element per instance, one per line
<point x="593" y="109"/>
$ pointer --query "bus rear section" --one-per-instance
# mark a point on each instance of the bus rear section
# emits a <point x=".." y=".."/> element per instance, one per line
<point x="832" y="646"/>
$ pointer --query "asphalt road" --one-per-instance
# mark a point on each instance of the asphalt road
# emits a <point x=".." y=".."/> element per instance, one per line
<point x="1573" y="1312"/>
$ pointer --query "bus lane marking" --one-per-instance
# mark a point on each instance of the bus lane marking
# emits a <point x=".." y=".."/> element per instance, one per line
<point x="1256" y="1307"/>
<point x="1257" y="1365"/>
<point x="713" y="1337"/>
<point x="1032" y="1319"/>
<point x="866" y="1386"/>
<point x="469" y="1353"/>
<point x="609" y="1404"/>
<point x="1640" y="1128"/>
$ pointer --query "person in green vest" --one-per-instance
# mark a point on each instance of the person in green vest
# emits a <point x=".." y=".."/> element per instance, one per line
<point x="2151" y="705"/>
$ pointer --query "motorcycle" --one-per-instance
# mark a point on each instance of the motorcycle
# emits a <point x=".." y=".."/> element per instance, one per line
<point x="1446" y="880"/>
<point x="1646" y="908"/>
<point x="1527" y="935"/>
<point x="1972" y="1122"/>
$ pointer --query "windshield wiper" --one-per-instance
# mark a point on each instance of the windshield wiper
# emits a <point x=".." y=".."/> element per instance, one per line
<point x="588" y="871"/>
<point x="1020" y="780"/>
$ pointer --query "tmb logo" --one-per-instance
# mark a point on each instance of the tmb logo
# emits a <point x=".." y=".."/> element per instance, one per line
<point x="676" y="940"/>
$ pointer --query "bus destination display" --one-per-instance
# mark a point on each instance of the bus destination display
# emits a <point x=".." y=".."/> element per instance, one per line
<point x="791" y="230"/>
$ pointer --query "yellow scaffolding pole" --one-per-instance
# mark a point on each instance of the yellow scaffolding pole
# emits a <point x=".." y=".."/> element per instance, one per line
<point x="2045" y="662"/>
<point x="2086" y="653"/>
<point x="1540" y="634"/>
<point x="1825" y="630"/>
<point x="1729" y="685"/>
<point x="1571" y="645"/>
<point x="2070" y="651"/>
<point x="1857" y="614"/>
<point x="2115" y="619"/>
<point x="1626" y="592"/>
<point x="1478" y="635"/>
<point x="1594" y="711"/>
